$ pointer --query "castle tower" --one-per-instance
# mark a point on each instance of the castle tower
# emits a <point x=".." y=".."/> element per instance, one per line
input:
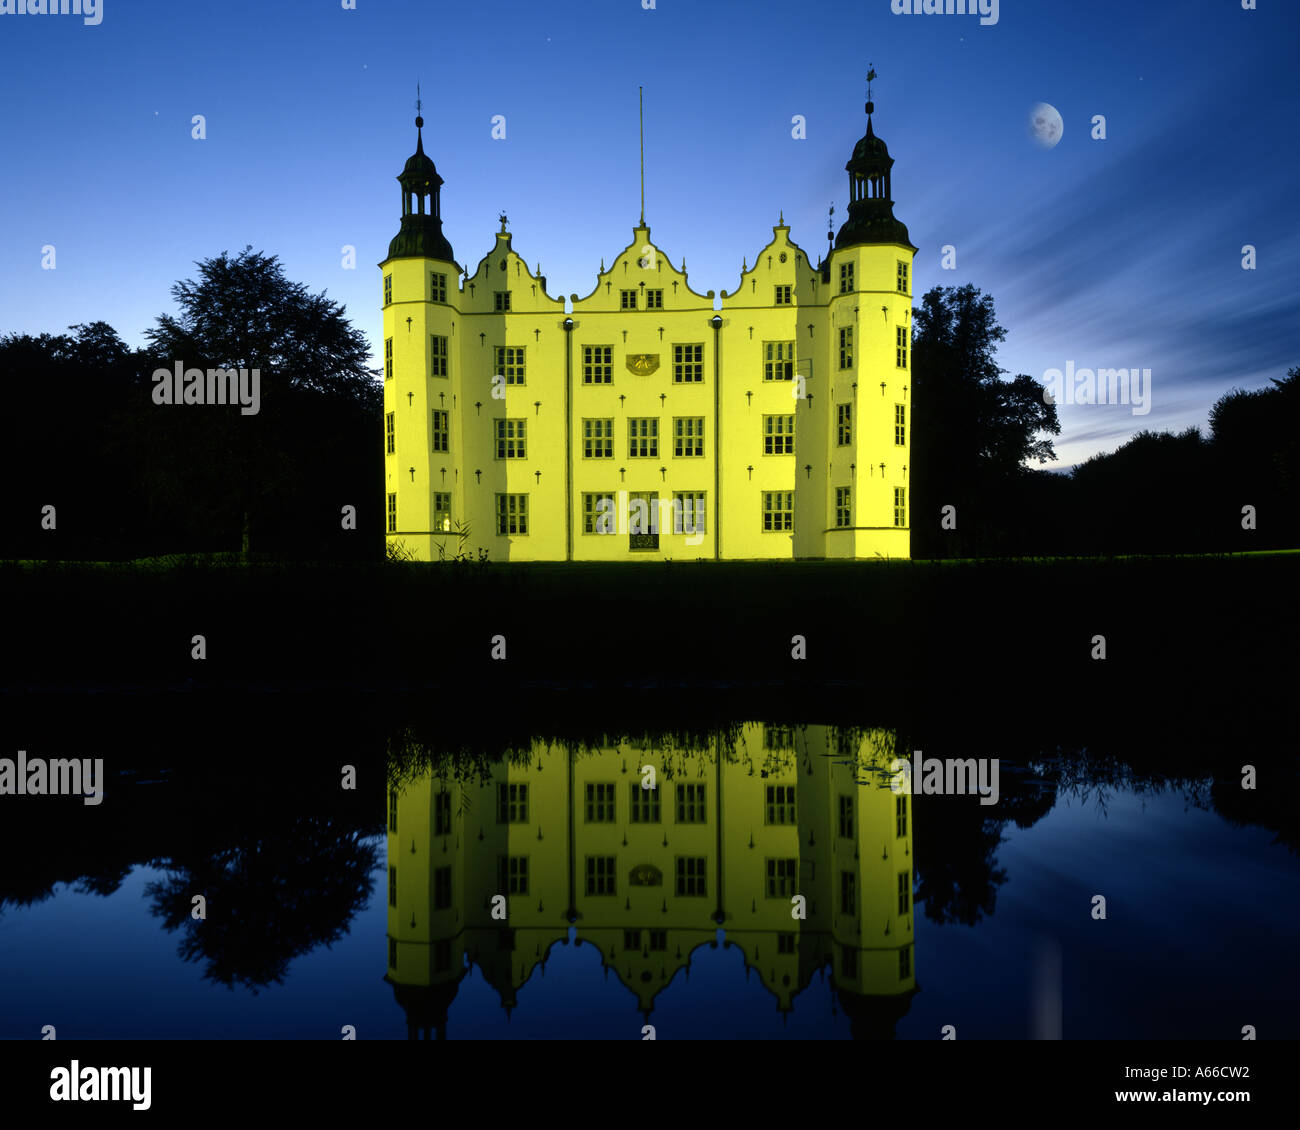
<point x="868" y="418"/>
<point x="423" y="491"/>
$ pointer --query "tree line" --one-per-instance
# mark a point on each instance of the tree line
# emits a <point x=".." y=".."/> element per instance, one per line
<point x="130" y="479"/>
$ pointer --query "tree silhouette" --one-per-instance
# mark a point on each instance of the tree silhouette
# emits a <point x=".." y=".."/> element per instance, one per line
<point x="270" y="899"/>
<point x="243" y="313"/>
<point x="971" y="429"/>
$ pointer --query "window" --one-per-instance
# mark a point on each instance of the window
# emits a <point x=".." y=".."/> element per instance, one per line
<point x="646" y="808"/>
<point x="900" y="816"/>
<point x="512" y="804"/>
<point x="900" y="346"/>
<point x="628" y="299"/>
<point x="598" y="513"/>
<point x="780" y="805"/>
<point x="392" y="812"/>
<point x="501" y="301"/>
<point x="900" y="507"/>
<point x="506" y="939"/>
<point x="778" y="511"/>
<point x="690" y="875"/>
<point x="390" y="432"/>
<point x="437" y="286"/>
<point x="392" y="953"/>
<point x="847" y="741"/>
<point x="441" y="956"/>
<point x="846" y="278"/>
<point x="631" y="939"/>
<point x="600" y="804"/>
<point x="904" y="891"/>
<point x="690" y="804"/>
<point x="442" y="814"/>
<point x="688" y="364"/>
<point x="782" y="296"/>
<point x="512" y="874"/>
<point x="780" y="878"/>
<point x="900" y="425"/>
<point x="846" y="817"/>
<point x="441" y="430"/>
<point x="600" y="875"/>
<point x="598" y="439"/>
<point x="510" y="363"/>
<point x="442" y="888"/>
<point x="512" y="438"/>
<point x="643" y="516"/>
<point x="658" y="941"/>
<point x="848" y="893"/>
<point x="388" y="289"/>
<point x="392" y="886"/>
<point x="846" y="347"/>
<point x="643" y="437"/>
<point x="512" y="514"/>
<point x="392" y="513"/>
<point x="437" y="356"/>
<point x="777" y="737"/>
<point x="843" y="507"/>
<point x="597" y="364"/>
<point x="441" y="511"/>
<point x="904" y="963"/>
<point x="844" y="421"/>
<point x="688" y="435"/>
<point x="778" y="435"/>
<point x="849" y="961"/>
<point x="785" y="943"/>
<point x="388" y="358"/>
<point x="778" y="360"/>
<point x="902" y="277"/>
<point x="654" y="299"/>
<point x="688" y="512"/>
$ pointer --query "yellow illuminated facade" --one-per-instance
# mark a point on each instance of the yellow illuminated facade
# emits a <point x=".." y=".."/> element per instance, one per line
<point x="647" y="420"/>
<point x="731" y="838"/>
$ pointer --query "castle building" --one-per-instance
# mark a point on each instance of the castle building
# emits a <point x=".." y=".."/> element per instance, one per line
<point x="649" y="421"/>
<point x="788" y="840"/>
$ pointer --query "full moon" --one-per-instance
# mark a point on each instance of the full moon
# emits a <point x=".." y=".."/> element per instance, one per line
<point x="1045" y="125"/>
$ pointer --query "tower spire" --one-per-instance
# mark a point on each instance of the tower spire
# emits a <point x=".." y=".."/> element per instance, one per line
<point x="421" y="232"/>
<point x="641" y="117"/>
<point x="871" y="206"/>
<point x="419" y="121"/>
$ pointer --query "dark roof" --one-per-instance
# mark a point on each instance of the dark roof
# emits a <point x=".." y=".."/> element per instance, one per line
<point x="419" y="166"/>
<point x="869" y="149"/>
<point x="421" y="237"/>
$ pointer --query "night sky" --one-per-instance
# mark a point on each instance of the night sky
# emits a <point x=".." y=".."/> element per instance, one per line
<point x="1125" y="252"/>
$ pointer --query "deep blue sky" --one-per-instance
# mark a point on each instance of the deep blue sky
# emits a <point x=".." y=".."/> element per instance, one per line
<point x="1117" y="253"/>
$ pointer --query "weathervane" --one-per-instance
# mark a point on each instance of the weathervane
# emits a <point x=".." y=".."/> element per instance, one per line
<point x="502" y="218"/>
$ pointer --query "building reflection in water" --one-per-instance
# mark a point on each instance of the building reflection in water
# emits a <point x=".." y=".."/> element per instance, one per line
<point x="728" y="837"/>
